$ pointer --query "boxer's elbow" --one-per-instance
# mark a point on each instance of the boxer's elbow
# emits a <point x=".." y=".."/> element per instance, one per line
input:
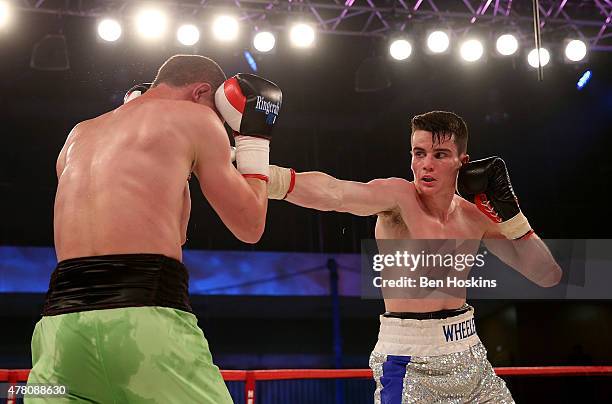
<point x="252" y="234"/>
<point x="551" y="277"/>
<point x="251" y="227"/>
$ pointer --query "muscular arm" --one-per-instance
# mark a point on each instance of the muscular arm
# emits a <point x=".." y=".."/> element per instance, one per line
<point x="530" y="257"/>
<point x="321" y="191"/>
<point x="240" y="203"/>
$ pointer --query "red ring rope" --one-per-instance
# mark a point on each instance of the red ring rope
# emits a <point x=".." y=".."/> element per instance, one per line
<point x="251" y="376"/>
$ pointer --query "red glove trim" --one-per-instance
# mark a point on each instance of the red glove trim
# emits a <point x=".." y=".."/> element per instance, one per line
<point x="258" y="176"/>
<point x="234" y="95"/>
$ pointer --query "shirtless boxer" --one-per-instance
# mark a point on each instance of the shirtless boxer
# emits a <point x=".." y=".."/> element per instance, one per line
<point x="413" y="360"/>
<point x="117" y="325"/>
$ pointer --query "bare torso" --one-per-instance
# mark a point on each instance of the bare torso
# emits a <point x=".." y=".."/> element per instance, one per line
<point x="122" y="184"/>
<point x="411" y="221"/>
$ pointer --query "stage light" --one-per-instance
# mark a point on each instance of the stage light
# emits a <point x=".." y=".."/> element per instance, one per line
<point x="532" y="57"/>
<point x="400" y="49"/>
<point x="584" y="79"/>
<point x="506" y="45"/>
<point x="250" y="60"/>
<point x="264" y="41"/>
<point x="151" y="23"/>
<point x="4" y="14"/>
<point x="188" y="34"/>
<point x="109" y="30"/>
<point x="225" y="28"/>
<point x="302" y="35"/>
<point x="471" y="50"/>
<point x="575" y="50"/>
<point x="438" y="42"/>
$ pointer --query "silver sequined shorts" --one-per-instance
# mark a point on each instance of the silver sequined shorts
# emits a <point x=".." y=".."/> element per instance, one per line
<point x="434" y="361"/>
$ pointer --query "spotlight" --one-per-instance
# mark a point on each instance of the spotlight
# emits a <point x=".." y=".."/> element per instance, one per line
<point x="532" y="57"/>
<point x="188" y="34"/>
<point x="264" y="41"/>
<point x="151" y="23"/>
<point x="506" y="45"/>
<point x="225" y="28"/>
<point x="438" y="42"/>
<point x="575" y="50"/>
<point x="4" y="14"/>
<point x="302" y="35"/>
<point x="250" y="60"/>
<point x="400" y="49"/>
<point x="584" y="79"/>
<point x="109" y="30"/>
<point x="471" y="50"/>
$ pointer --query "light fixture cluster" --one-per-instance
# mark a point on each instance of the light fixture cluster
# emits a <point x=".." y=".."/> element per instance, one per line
<point x="5" y="14"/>
<point x="152" y="24"/>
<point x="472" y="49"/>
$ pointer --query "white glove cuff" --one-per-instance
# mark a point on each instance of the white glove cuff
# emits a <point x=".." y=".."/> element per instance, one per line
<point x="253" y="156"/>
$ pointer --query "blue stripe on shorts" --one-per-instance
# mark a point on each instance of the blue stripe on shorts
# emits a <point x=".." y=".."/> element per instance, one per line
<point x="392" y="379"/>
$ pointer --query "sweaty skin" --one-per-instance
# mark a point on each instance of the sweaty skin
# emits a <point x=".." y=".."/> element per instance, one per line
<point x="122" y="179"/>
<point x="424" y="210"/>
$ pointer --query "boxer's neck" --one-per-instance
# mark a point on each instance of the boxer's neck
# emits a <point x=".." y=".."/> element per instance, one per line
<point x="439" y="205"/>
<point x="168" y="92"/>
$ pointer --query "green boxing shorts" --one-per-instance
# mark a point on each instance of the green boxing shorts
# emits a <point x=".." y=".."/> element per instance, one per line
<point x="118" y="329"/>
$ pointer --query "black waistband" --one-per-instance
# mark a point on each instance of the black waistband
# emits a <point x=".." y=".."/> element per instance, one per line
<point x="430" y="315"/>
<point x="113" y="281"/>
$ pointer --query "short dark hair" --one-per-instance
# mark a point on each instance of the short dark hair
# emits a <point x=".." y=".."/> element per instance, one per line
<point x="180" y="70"/>
<point x="443" y="125"/>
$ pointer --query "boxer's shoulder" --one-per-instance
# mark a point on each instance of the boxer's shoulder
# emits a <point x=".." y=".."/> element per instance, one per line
<point x="80" y="129"/>
<point x="395" y="185"/>
<point x="182" y="117"/>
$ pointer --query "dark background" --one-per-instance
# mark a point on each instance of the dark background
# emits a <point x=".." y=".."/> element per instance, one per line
<point x="556" y="142"/>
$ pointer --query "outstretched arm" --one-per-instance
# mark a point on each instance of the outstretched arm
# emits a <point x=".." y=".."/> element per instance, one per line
<point x="320" y="191"/>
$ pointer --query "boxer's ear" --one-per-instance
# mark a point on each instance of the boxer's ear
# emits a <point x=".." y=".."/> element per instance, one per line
<point x="201" y="91"/>
<point x="465" y="159"/>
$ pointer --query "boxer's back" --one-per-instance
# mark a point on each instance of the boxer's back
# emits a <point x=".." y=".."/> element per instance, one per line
<point x="121" y="186"/>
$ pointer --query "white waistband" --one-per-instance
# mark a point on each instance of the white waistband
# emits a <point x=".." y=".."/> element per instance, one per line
<point x="427" y="337"/>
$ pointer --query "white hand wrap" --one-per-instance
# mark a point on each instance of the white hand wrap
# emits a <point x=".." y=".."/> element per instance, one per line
<point x="253" y="156"/>
<point x="281" y="182"/>
<point x="515" y="227"/>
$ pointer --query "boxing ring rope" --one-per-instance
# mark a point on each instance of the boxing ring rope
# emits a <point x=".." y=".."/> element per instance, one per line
<point x="250" y="377"/>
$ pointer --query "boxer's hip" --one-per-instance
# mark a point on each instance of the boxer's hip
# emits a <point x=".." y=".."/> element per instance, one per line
<point x="439" y="359"/>
<point x="115" y="281"/>
<point x="119" y="329"/>
<point x="454" y="332"/>
<point x="130" y="354"/>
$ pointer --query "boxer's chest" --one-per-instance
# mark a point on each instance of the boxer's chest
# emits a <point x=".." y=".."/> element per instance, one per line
<point x="410" y="222"/>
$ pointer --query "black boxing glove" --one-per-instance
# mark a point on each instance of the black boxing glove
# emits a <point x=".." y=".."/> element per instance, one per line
<point x="250" y="106"/>
<point x="486" y="183"/>
<point x="136" y="91"/>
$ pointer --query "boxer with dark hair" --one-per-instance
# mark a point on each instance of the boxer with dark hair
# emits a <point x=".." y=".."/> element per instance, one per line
<point x="117" y="325"/>
<point x="414" y="359"/>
